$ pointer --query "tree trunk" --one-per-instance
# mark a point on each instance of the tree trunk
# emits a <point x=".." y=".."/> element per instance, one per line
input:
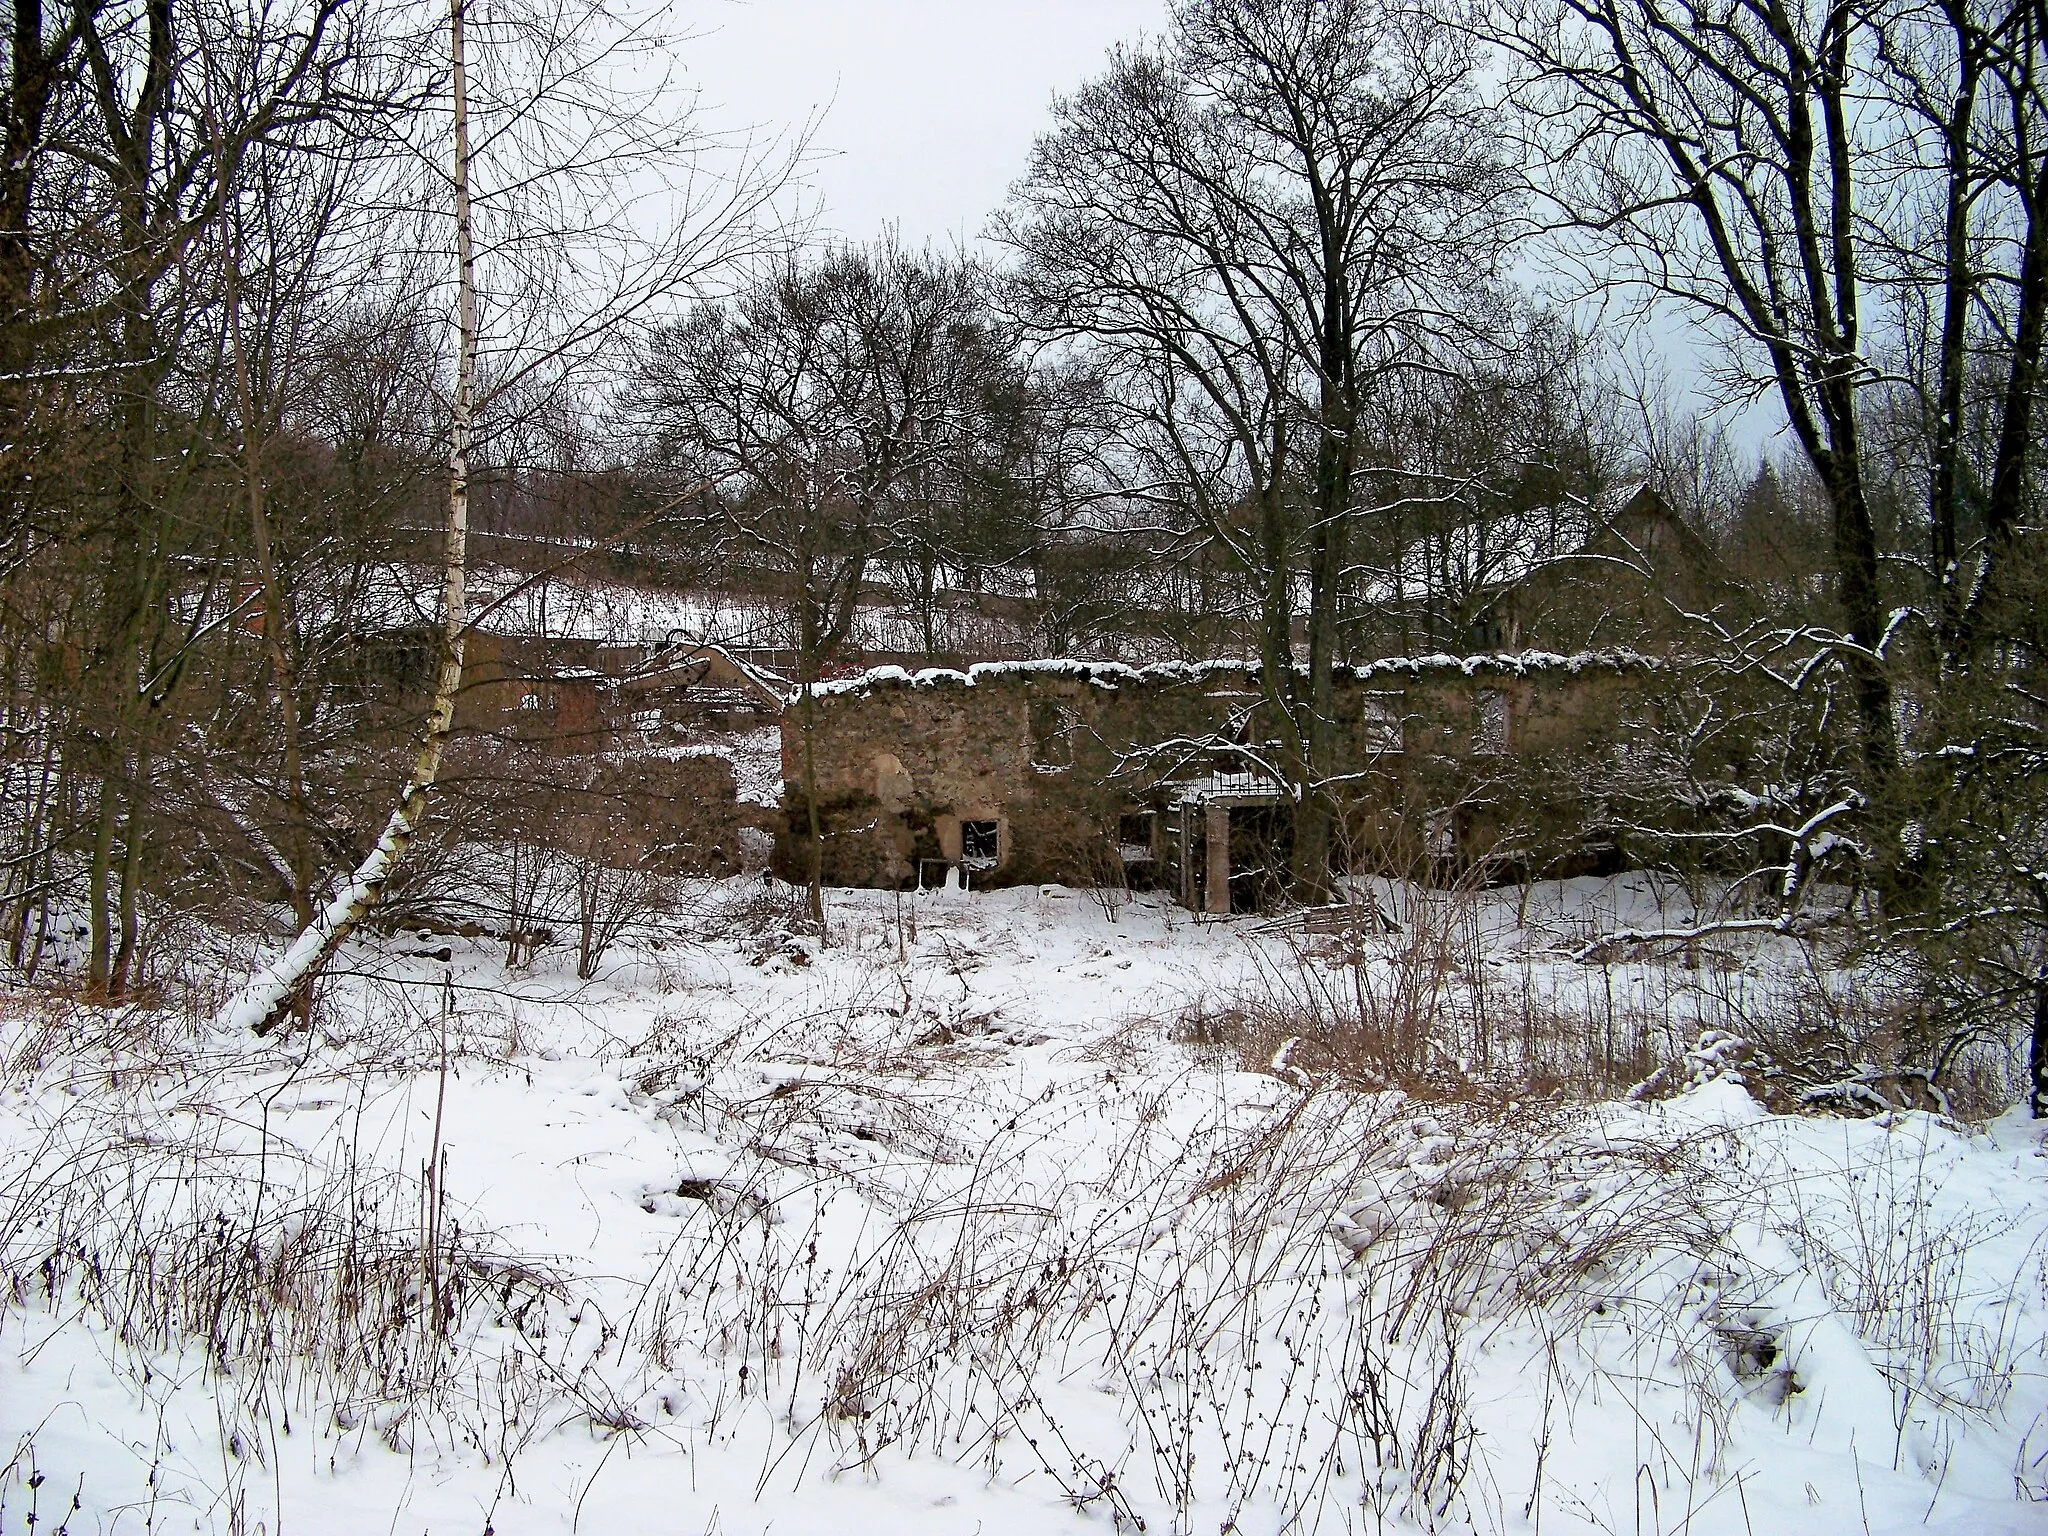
<point x="276" y="621"/>
<point x="99" y="966"/>
<point x="263" y="1002"/>
<point x="1856" y="567"/>
<point x="808" y="666"/>
<point x="1329" y="543"/>
<point x="129" y="915"/>
<point x="2037" y="1055"/>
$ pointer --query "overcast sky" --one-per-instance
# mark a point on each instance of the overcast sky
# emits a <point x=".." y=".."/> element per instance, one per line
<point x="928" y="107"/>
<point x="925" y="110"/>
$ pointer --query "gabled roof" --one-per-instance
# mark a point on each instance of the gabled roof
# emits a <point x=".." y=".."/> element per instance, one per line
<point x="764" y="686"/>
<point x="1494" y="552"/>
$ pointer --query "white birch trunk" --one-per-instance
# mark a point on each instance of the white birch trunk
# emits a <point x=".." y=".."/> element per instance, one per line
<point x="269" y="993"/>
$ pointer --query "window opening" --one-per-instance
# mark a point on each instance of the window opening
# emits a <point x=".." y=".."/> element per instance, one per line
<point x="981" y="844"/>
<point x="1134" y="837"/>
<point x="1383" y="722"/>
<point x="1052" y="734"/>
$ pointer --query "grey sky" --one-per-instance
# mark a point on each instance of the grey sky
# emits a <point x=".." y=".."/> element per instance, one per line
<point x="929" y="106"/>
<point x="926" y="109"/>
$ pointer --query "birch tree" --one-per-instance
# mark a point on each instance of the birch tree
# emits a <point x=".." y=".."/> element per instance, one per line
<point x="559" y="253"/>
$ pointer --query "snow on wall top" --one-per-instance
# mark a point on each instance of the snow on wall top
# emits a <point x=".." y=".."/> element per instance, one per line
<point x="756" y="759"/>
<point x="1108" y="674"/>
<point x="1115" y="674"/>
<point x="1508" y="664"/>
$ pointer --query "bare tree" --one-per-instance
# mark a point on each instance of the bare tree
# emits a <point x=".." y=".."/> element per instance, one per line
<point x="1257" y="222"/>
<point x="1480" y="482"/>
<point x="166" y="158"/>
<point x="554" y="261"/>
<point x="263" y="1000"/>
<point x="820" y="404"/>
<point x="1855" y="196"/>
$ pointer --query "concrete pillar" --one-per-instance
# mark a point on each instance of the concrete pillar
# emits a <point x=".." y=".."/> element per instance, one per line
<point x="1218" y="902"/>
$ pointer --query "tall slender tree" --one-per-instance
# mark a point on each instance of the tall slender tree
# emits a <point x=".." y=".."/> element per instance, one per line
<point x="557" y="256"/>
<point x="1256" y="221"/>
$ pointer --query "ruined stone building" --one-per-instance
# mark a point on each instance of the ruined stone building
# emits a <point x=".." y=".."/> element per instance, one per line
<point x="1510" y="762"/>
<point x="1091" y="773"/>
<point x="636" y="755"/>
<point x="574" y="695"/>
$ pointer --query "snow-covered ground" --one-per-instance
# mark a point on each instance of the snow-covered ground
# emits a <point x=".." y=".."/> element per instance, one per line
<point x="972" y="1219"/>
<point x="578" y="607"/>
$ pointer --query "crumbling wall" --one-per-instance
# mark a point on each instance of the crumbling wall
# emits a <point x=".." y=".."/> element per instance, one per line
<point x="674" y="813"/>
<point x="1051" y="753"/>
<point x="1499" y="762"/>
<point x="1513" y="763"/>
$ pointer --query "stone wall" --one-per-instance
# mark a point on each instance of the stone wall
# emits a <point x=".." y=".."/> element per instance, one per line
<point x="672" y="813"/>
<point x="1513" y="761"/>
<point x="903" y="767"/>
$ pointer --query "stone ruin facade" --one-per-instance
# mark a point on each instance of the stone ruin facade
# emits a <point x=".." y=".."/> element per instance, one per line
<point x="1510" y="766"/>
<point x="623" y="754"/>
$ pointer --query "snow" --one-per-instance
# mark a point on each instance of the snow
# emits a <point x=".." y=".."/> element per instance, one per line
<point x="756" y="758"/>
<point x="1247" y="785"/>
<point x="955" y="1223"/>
<point x="579" y="607"/>
<point x="1114" y="674"/>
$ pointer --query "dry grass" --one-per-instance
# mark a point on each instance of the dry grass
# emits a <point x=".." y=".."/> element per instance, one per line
<point x="297" y="1280"/>
<point x="1421" y="1005"/>
<point x="1281" y="1313"/>
<point x="1175" y="1306"/>
<point x="1429" y="1005"/>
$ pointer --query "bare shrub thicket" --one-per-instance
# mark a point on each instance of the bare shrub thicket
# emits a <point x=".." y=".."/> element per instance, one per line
<point x="1455" y="990"/>
<point x="1278" y="1314"/>
<point x="1402" y="986"/>
<point x="294" y="1278"/>
<point x="1827" y="1035"/>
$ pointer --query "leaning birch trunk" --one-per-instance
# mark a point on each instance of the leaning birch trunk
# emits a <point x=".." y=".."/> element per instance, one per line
<point x="269" y="994"/>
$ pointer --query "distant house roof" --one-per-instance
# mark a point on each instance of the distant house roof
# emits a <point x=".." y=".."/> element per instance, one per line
<point x="715" y="667"/>
<point x="772" y="685"/>
<point x="1494" y="552"/>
